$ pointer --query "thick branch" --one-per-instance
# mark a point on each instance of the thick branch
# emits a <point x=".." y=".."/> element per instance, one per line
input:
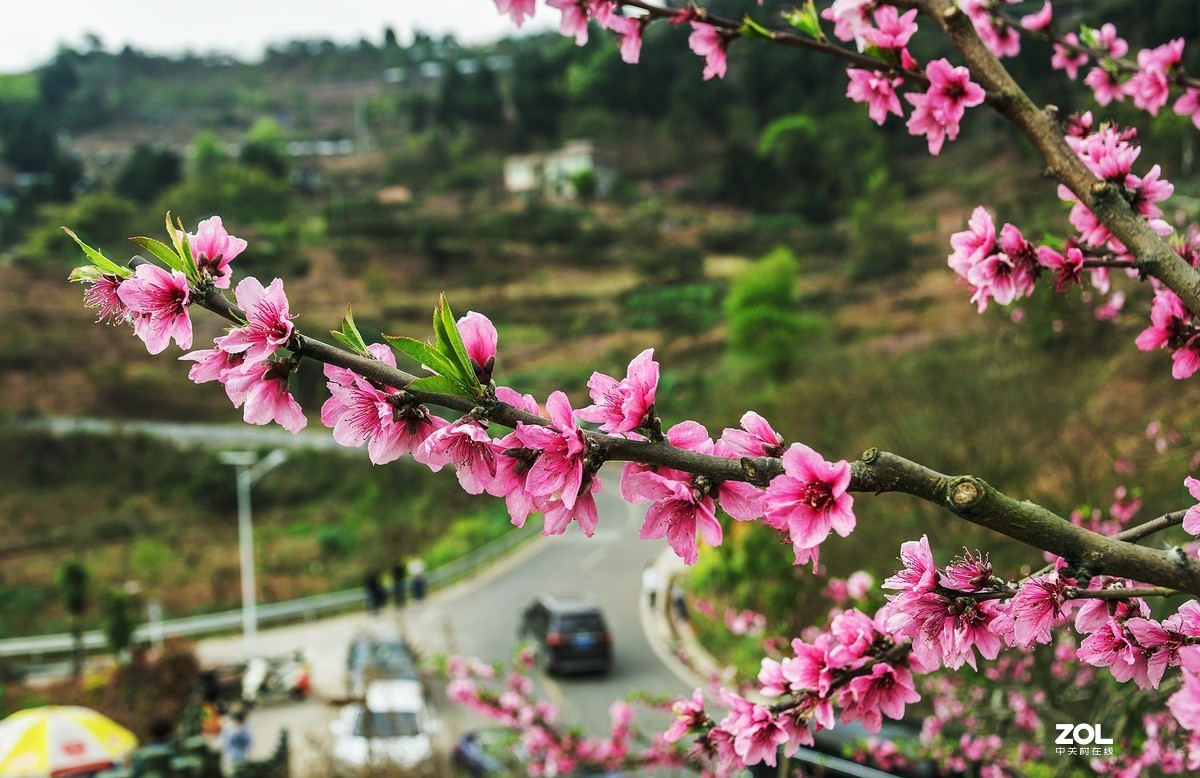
<point x="877" y="471"/>
<point x="1154" y="255"/>
<point x="974" y="500"/>
<point x="1121" y="594"/>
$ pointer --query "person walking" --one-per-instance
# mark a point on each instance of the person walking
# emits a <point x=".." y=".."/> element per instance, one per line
<point x="374" y="593"/>
<point x="416" y="569"/>
<point x="236" y="739"/>
<point x="679" y="603"/>
<point x="651" y="583"/>
<point x="399" y="584"/>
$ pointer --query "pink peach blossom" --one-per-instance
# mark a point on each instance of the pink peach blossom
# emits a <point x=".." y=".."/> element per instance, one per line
<point x="102" y="295"/>
<point x="519" y="10"/>
<point x="623" y="406"/>
<point x="876" y="90"/>
<point x="467" y="445"/>
<point x="213" y="248"/>
<point x="708" y="42"/>
<point x="809" y="498"/>
<point x="158" y="303"/>
<point x="261" y="389"/>
<point x="268" y="322"/>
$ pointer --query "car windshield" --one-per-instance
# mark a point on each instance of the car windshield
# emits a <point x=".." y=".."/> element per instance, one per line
<point x="386" y="723"/>
<point x="392" y="658"/>
<point x="580" y="622"/>
<point x="395" y="659"/>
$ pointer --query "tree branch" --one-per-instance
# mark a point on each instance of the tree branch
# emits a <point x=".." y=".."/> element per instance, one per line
<point x="1121" y="594"/>
<point x="977" y="502"/>
<point x="1134" y="534"/>
<point x="1040" y="125"/>
<point x="877" y="471"/>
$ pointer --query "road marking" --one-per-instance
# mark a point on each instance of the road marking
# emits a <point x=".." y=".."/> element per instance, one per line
<point x="656" y="639"/>
<point x="593" y="559"/>
<point x="553" y="691"/>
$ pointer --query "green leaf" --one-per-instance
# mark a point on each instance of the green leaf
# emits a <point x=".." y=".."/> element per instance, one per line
<point x="1087" y="36"/>
<point x="806" y="20"/>
<point x="885" y="56"/>
<point x="425" y="354"/>
<point x="98" y="259"/>
<point x="349" y="335"/>
<point x="751" y="27"/>
<point x="176" y="238"/>
<point x="438" y="384"/>
<point x="1053" y="241"/>
<point x="450" y="342"/>
<point x="85" y="274"/>
<point x="168" y="257"/>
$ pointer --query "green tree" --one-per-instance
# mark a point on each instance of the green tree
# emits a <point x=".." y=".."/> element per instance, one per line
<point x="99" y="218"/>
<point x="765" y="329"/>
<point x="265" y="148"/>
<point x="118" y="620"/>
<point x="879" y="232"/>
<point x="148" y="171"/>
<point x="208" y="155"/>
<point x="58" y="80"/>
<point x="73" y="585"/>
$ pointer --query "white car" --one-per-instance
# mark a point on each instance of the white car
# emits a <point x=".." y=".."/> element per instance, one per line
<point x="391" y="729"/>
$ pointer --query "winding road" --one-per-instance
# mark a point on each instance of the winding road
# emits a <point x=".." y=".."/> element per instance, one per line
<point x="479" y="618"/>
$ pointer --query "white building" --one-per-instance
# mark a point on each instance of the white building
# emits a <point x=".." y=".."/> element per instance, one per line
<point x="551" y="175"/>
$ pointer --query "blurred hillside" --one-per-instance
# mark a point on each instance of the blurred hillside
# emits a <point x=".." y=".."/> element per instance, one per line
<point x="374" y="175"/>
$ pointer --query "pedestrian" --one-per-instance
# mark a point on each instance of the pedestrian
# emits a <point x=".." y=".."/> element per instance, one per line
<point x="236" y="740"/>
<point x="399" y="584"/>
<point x="650" y="583"/>
<point x="681" y="611"/>
<point x="416" y="569"/>
<point x="374" y="593"/>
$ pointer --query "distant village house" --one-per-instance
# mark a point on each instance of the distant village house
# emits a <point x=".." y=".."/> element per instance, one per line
<point x="554" y="176"/>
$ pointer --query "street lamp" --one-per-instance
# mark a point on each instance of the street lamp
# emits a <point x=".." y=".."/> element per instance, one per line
<point x="249" y="469"/>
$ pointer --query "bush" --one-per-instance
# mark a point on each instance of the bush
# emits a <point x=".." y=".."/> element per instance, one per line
<point x="879" y="233"/>
<point x="99" y="218"/>
<point x="765" y="330"/>
<point x="685" y="309"/>
<point x="336" y="540"/>
<point x="117" y="619"/>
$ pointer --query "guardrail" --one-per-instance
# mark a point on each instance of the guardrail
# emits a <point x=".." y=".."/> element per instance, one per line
<point x="39" y="647"/>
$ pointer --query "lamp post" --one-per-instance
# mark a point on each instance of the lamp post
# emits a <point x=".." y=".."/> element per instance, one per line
<point x="249" y="469"/>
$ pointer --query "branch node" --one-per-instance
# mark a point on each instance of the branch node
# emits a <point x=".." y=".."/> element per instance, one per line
<point x="950" y="12"/>
<point x="965" y="493"/>
<point x="1101" y="189"/>
<point x="870" y="455"/>
<point x="749" y="468"/>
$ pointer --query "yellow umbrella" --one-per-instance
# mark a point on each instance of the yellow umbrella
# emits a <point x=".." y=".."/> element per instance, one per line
<point x="59" y="741"/>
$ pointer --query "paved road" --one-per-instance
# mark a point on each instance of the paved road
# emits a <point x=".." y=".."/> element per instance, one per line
<point x="479" y="618"/>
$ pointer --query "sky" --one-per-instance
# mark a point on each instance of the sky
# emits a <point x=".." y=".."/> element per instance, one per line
<point x="32" y="30"/>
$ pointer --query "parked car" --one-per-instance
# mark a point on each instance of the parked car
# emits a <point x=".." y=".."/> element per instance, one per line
<point x="569" y="634"/>
<point x="373" y="658"/>
<point x="485" y="752"/>
<point x="390" y="730"/>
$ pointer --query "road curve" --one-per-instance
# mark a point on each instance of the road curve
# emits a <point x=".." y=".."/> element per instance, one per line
<point x="479" y="617"/>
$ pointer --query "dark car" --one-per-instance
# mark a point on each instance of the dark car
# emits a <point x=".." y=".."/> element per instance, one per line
<point x="496" y="751"/>
<point x="569" y="634"/>
<point x="492" y="751"/>
<point x="372" y="658"/>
